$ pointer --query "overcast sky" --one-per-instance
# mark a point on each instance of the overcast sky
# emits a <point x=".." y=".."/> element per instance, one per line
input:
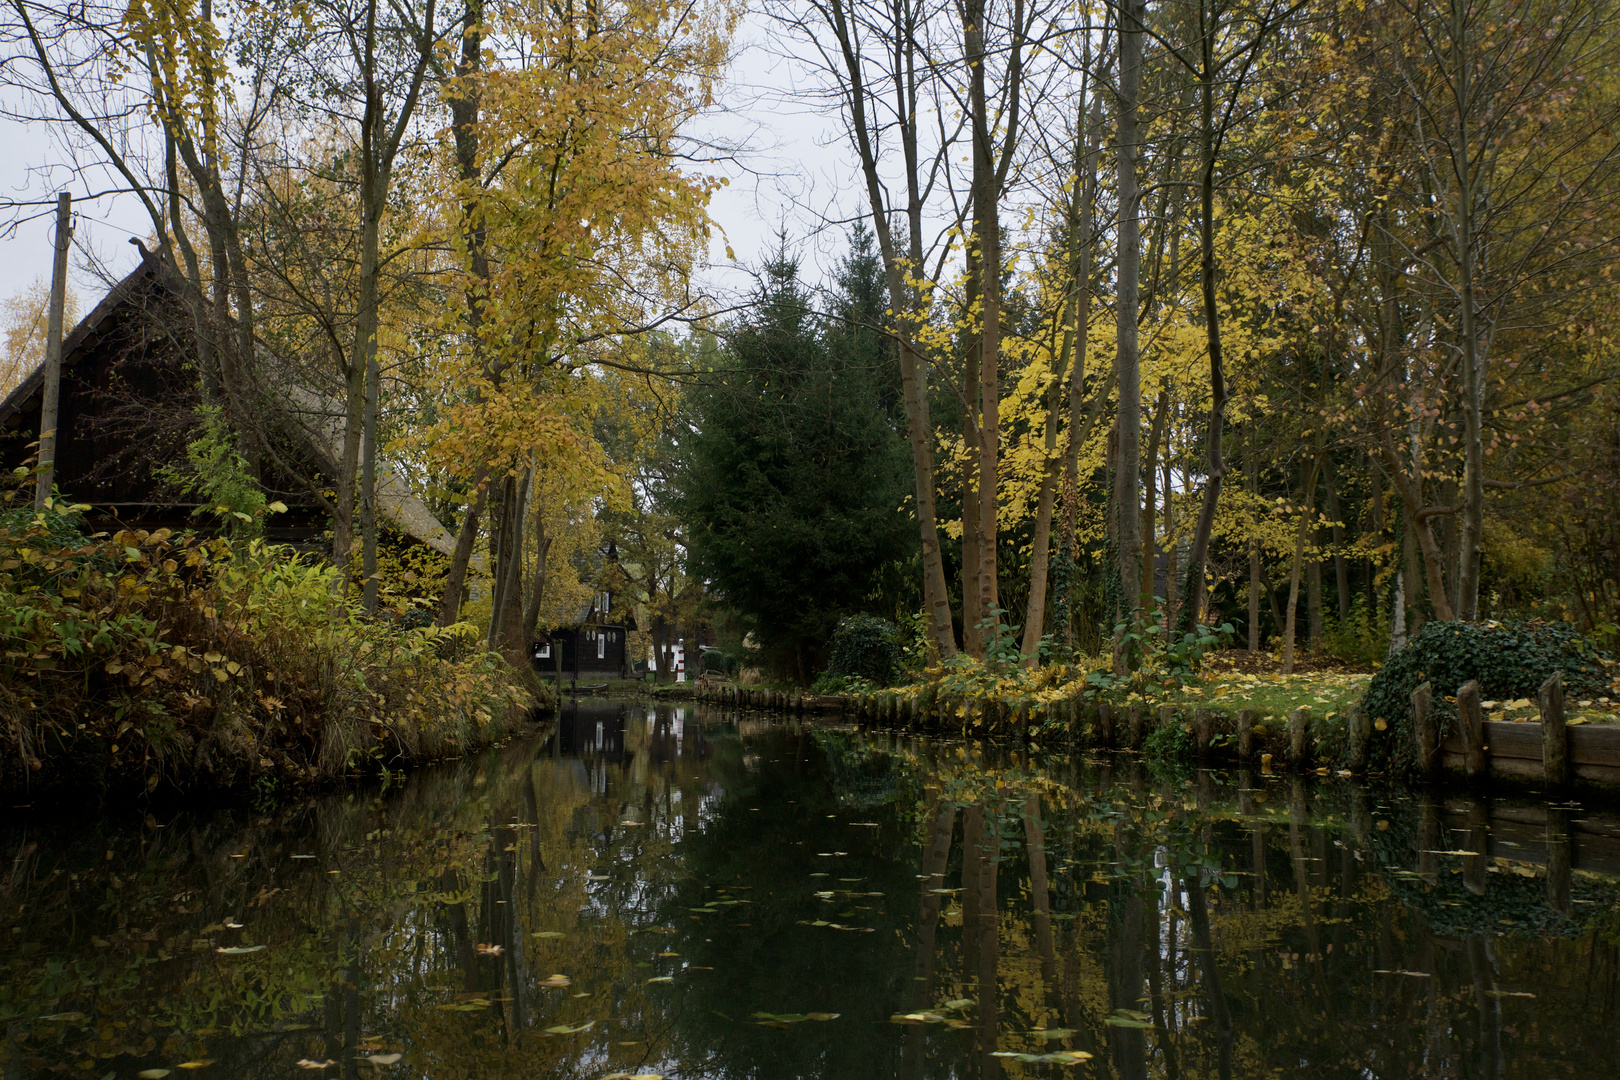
<point x="794" y="175"/>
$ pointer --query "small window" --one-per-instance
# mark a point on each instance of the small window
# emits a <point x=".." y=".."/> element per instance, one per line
<point x="601" y="647"/>
<point x="545" y="651"/>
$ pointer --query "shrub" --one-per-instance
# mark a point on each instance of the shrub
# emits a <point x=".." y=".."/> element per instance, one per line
<point x="867" y="647"/>
<point x="143" y="659"/>
<point x="1510" y="660"/>
<point x="1362" y="639"/>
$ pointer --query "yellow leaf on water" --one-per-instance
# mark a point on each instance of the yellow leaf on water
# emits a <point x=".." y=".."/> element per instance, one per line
<point x="201" y="1063"/>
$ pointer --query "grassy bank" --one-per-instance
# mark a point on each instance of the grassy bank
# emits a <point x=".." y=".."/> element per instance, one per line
<point x="138" y="662"/>
<point x="1232" y="703"/>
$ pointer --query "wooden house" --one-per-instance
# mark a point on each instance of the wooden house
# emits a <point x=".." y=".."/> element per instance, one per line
<point x="128" y="401"/>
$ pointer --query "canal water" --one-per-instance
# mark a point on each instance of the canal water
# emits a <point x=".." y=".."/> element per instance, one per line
<point x="688" y="893"/>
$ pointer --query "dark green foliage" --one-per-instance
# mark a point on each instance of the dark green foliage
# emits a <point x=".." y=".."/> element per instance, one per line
<point x="58" y="528"/>
<point x="867" y="647"/>
<point x="1172" y="742"/>
<point x="792" y="475"/>
<point x="1510" y="660"/>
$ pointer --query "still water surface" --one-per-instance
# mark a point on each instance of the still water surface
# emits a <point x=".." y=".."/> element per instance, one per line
<point x="686" y="893"/>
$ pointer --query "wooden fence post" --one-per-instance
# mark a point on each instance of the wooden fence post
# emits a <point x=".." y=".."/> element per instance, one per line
<point x="1360" y="726"/>
<point x="1428" y="740"/>
<point x="1554" y="735"/>
<point x="1135" y="721"/>
<point x="1245" y="723"/>
<point x="1298" y="744"/>
<point x="1202" y="723"/>
<point x="1472" y="719"/>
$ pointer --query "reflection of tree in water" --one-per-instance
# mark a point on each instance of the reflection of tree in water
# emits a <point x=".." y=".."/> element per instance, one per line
<point x="864" y="773"/>
<point x="1174" y="926"/>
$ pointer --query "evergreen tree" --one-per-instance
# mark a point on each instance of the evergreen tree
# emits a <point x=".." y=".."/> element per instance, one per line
<point x="791" y="476"/>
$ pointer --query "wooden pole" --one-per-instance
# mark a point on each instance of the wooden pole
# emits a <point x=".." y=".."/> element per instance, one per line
<point x="1428" y="741"/>
<point x="1203" y="725"/>
<point x="1245" y="724"/>
<point x="1472" y="719"/>
<point x="1298" y="729"/>
<point x="1105" y="724"/>
<point x="1136" y="720"/>
<point x="50" y="403"/>
<point x="1554" y="735"/>
<point x="1360" y="725"/>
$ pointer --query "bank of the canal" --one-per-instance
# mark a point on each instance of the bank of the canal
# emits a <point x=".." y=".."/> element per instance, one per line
<point x="681" y="890"/>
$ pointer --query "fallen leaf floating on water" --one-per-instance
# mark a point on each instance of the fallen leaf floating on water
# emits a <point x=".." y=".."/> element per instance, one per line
<point x="632" y="1076"/>
<point x="303" y="1063"/>
<point x="488" y="950"/>
<point x="1054" y="1033"/>
<point x="1458" y="851"/>
<point x="564" y="1029"/>
<point x="383" y="1059"/>
<point x="547" y="933"/>
<point x="1510" y="993"/>
<point x="200" y="1063"/>
<point x="1413" y="974"/>
<point x="662" y="979"/>
<point x="159" y="1074"/>
<point x="239" y="950"/>
<point x="782" y="1020"/>
<point x="1059" y="1057"/>
<point x="1130" y="1018"/>
<point x="557" y="981"/>
<point x="464" y="1006"/>
<point x="917" y="1018"/>
<point x="232" y="924"/>
<point x="66" y="1018"/>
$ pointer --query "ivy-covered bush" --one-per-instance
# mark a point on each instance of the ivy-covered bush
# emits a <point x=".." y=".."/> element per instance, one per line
<point x="867" y="647"/>
<point x="1510" y="660"/>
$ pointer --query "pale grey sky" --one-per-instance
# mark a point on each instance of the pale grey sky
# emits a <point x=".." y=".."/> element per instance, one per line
<point x="794" y="174"/>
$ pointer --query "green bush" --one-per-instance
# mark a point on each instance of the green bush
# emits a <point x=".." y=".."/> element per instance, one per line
<point x="144" y="659"/>
<point x="867" y="647"/>
<point x="1362" y="639"/>
<point x="1510" y="660"/>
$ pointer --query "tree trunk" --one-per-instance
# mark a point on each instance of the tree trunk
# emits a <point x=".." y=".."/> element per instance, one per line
<point x="987" y="240"/>
<point x="899" y="268"/>
<point x="465" y="104"/>
<point x="972" y="533"/>
<point x="1172" y="586"/>
<point x="1471" y="516"/>
<point x="1307" y="520"/>
<point x="1150" y="495"/>
<point x="1341" y="570"/>
<point x="1127" y="473"/>
<point x="1251" y="463"/>
<point x="1198" y="558"/>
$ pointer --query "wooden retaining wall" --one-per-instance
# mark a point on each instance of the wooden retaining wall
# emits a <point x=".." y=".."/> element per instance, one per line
<point x="1551" y="752"/>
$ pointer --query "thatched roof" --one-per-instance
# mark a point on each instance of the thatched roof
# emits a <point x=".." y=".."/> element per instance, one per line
<point x="314" y="415"/>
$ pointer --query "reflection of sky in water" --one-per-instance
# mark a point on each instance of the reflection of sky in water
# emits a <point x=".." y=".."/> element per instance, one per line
<point x="626" y="892"/>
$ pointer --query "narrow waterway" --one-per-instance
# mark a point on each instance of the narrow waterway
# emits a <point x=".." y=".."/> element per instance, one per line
<point x="655" y="890"/>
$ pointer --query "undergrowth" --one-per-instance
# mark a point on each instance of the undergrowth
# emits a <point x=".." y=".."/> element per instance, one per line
<point x="138" y="660"/>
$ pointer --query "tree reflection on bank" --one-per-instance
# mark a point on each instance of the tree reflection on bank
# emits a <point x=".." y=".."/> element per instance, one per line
<point x="628" y="893"/>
